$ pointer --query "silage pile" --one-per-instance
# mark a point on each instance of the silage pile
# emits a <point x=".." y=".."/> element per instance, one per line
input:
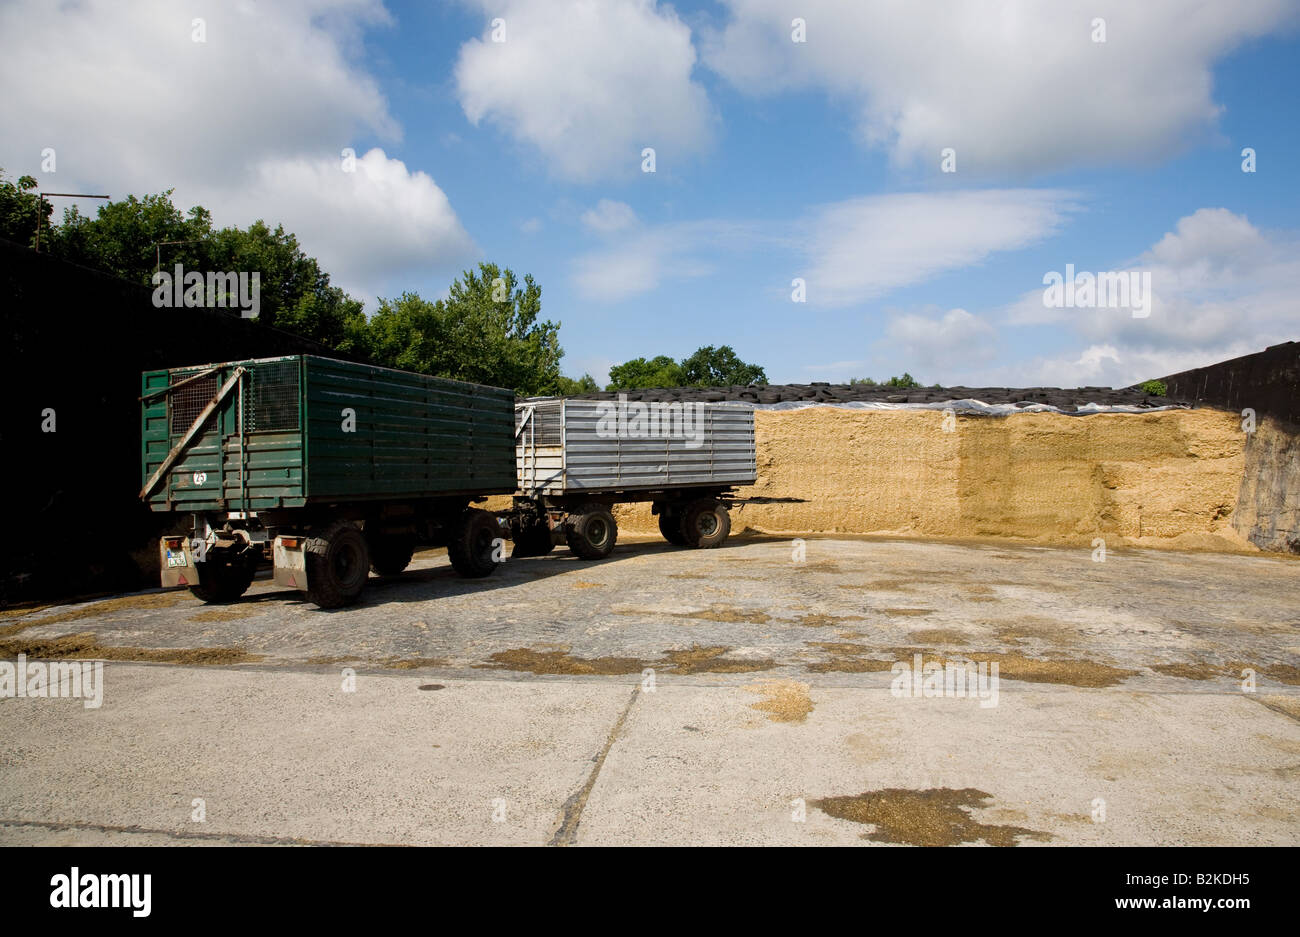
<point x="1166" y="478"/>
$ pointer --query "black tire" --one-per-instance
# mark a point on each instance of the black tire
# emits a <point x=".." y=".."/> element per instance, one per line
<point x="670" y="525"/>
<point x="472" y="543"/>
<point x="591" y="532"/>
<point x="338" y="563"/>
<point x="534" y="540"/>
<point x="389" y="555"/>
<point x="705" y="524"/>
<point x="224" y="581"/>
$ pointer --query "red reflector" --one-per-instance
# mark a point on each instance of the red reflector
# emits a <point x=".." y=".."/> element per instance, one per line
<point x="181" y="580"/>
<point x="173" y="543"/>
<point x="290" y="542"/>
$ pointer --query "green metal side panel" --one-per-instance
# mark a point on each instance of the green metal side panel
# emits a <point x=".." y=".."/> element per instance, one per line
<point x="207" y="476"/>
<point x="414" y="436"/>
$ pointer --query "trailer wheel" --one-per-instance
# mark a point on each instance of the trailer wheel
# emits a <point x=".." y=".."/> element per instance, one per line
<point x="338" y="562"/>
<point x="472" y="543"/>
<point x="390" y="555"/>
<point x="221" y="582"/>
<point x="670" y="525"/>
<point x="705" y="524"/>
<point x="534" y="540"/>
<point x="591" y="532"/>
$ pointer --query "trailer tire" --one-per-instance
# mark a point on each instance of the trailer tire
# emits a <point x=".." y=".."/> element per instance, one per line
<point x="390" y="555"/>
<point x="705" y="524"/>
<point x="670" y="525"/>
<point x="533" y="540"/>
<point x="338" y="563"/>
<point x="591" y="532"/>
<point x="221" y="582"/>
<point x="473" y="542"/>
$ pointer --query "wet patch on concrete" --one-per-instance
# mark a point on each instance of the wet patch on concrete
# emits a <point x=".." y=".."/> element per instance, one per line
<point x="907" y="612"/>
<point x="84" y="646"/>
<point x="728" y="613"/>
<point x="934" y="817"/>
<point x="783" y="700"/>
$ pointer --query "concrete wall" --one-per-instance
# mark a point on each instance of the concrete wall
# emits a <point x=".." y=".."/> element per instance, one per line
<point x="1268" y="506"/>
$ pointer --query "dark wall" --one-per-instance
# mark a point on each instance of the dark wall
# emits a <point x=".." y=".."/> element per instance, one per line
<point x="1267" y="381"/>
<point x="75" y="340"/>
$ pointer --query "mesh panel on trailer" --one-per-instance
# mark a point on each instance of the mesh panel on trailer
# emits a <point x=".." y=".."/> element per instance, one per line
<point x="273" y="397"/>
<point x="188" y="402"/>
<point x="547" y="424"/>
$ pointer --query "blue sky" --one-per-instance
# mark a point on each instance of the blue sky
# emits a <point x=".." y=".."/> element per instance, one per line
<point x="774" y="160"/>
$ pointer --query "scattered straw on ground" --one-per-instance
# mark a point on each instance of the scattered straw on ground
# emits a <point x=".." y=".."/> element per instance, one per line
<point x="560" y="662"/>
<point x="783" y="700"/>
<point x="934" y="817"/>
<point x="84" y="646"/>
<point x="697" y="659"/>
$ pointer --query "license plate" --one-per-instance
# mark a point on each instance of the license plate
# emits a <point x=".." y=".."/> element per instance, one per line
<point x="175" y="559"/>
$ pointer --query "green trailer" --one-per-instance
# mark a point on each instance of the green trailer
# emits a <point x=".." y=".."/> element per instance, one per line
<point x="327" y="468"/>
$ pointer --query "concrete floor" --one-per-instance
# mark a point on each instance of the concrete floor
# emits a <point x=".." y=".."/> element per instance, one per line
<point x="674" y="696"/>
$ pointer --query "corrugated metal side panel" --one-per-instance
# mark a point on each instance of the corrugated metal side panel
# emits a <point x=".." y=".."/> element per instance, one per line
<point x="725" y="455"/>
<point x="415" y="436"/>
<point x="206" y="477"/>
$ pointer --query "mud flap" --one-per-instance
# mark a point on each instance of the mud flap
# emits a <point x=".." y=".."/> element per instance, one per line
<point x="290" y="562"/>
<point x="176" y="560"/>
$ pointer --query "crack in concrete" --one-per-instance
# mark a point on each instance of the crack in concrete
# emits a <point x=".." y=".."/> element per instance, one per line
<point x="571" y="812"/>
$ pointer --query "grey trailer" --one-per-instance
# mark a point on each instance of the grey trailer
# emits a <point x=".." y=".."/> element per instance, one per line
<point x="575" y="459"/>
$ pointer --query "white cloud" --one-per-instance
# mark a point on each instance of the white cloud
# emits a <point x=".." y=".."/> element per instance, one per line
<point x="1222" y="288"/>
<point x="587" y="84"/>
<point x="939" y="344"/>
<point x="647" y="258"/>
<point x="609" y="217"/>
<point x="863" y="248"/>
<point x="369" y="227"/>
<point x="250" y="123"/>
<point x="852" y="251"/>
<point x="1015" y="85"/>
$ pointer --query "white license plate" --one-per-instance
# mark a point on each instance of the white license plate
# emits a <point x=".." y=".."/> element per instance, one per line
<point x="175" y="559"/>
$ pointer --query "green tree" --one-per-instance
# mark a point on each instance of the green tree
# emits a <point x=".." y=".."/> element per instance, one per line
<point x="19" y="207"/>
<point x="906" y="381"/>
<point x="660" y="371"/>
<point x="486" y="331"/>
<point x="862" y="381"/>
<point x="711" y="367"/>
<point x="567" y="386"/>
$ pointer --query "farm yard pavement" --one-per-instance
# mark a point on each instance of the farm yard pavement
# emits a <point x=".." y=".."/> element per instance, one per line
<point x="731" y="696"/>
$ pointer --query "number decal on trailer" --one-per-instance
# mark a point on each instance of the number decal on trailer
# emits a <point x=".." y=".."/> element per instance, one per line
<point x="200" y="478"/>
